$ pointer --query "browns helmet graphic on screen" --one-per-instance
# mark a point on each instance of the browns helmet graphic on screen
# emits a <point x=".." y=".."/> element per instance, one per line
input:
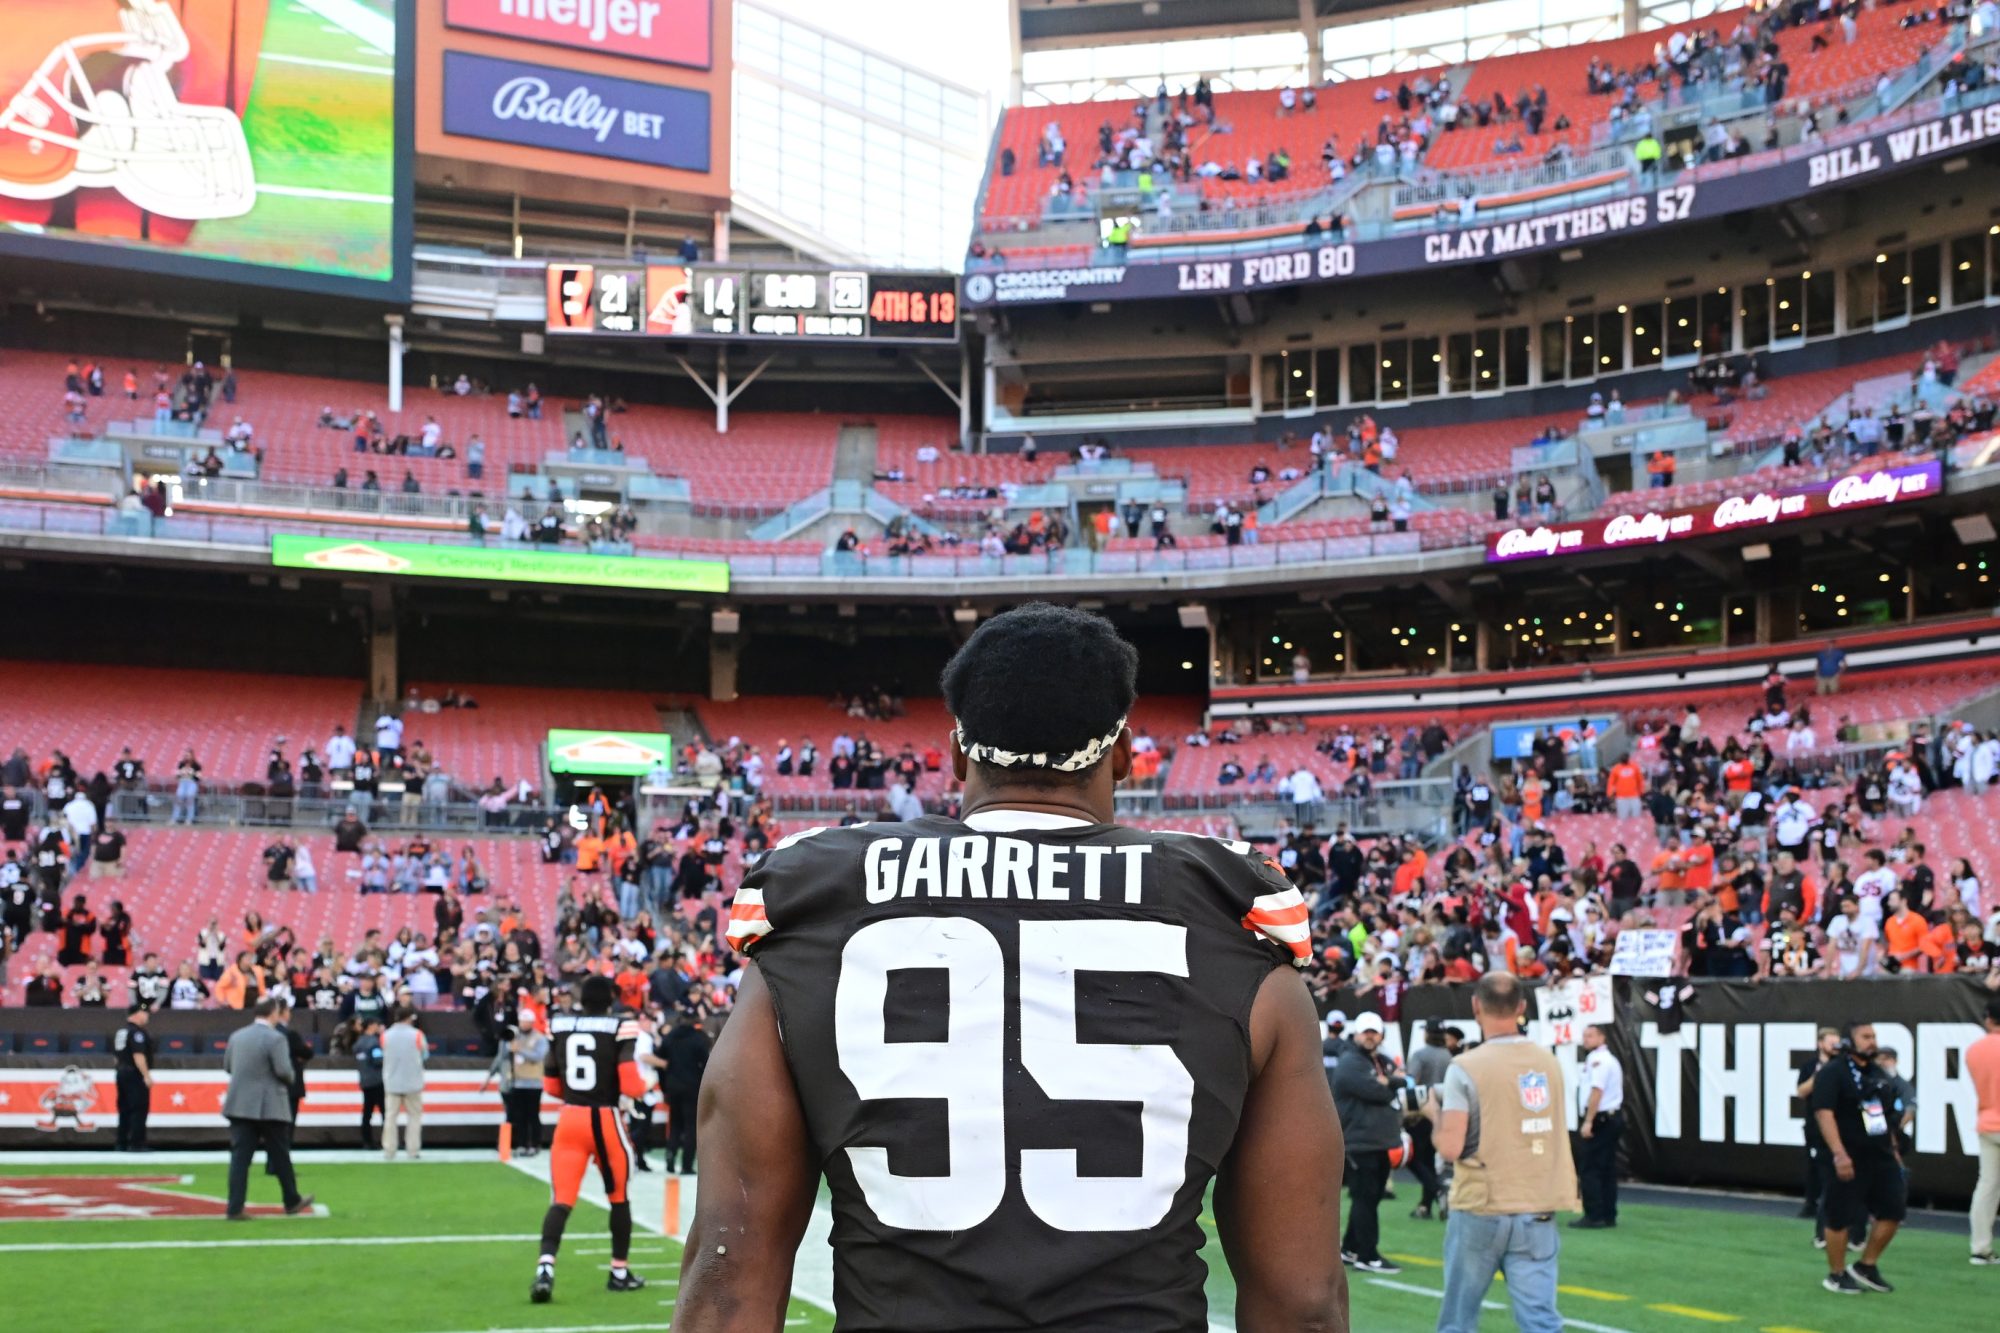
<point x="123" y="117"/>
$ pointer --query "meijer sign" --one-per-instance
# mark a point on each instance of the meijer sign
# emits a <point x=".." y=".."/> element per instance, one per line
<point x="673" y="32"/>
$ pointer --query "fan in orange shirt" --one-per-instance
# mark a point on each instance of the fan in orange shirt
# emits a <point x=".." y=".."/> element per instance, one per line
<point x="1531" y="799"/>
<point x="1668" y="871"/>
<point x="1698" y="863"/>
<point x="1905" y="935"/>
<point x="1411" y="871"/>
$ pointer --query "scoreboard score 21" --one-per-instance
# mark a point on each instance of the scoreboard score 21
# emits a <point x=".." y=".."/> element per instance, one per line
<point x="720" y="301"/>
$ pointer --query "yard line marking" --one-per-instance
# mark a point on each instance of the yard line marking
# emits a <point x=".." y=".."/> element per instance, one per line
<point x="276" y="1243"/>
<point x="1592" y="1293"/>
<point x="1432" y="1292"/>
<point x="313" y="192"/>
<point x="1783" y="1328"/>
<point x="346" y="65"/>
<point x="1417" y="1259"/>
<point x="1438" y="1295"/>
<point x="378" y="30"/>
<point x="1696" y="1312"/>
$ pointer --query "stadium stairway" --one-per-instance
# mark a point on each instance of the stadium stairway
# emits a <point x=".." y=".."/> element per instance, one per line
<point x="854" y="454"/>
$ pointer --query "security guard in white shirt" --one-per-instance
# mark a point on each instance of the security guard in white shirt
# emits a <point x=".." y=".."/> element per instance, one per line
<point x="1601" y="1125"/>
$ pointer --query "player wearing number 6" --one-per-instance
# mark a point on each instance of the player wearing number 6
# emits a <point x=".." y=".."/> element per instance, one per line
<point x="1019" y="1046"/>
<point x="591" y="1066"/>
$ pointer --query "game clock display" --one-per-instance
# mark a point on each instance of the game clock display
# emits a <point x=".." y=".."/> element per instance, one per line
<point x="720" y="301"/>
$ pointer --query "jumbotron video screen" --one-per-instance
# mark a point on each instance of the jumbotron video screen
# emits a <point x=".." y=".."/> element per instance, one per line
<point x="256" y="132"/>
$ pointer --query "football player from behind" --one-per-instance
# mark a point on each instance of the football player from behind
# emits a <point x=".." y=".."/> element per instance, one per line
<point x="1019" y="1045"/>
<point x="591" y="1067"/>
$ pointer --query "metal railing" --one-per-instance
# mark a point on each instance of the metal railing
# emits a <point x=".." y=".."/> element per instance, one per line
<point x="1432" y="186"/>
<point x="243" y="807"/>
<point x="348" y="499"/>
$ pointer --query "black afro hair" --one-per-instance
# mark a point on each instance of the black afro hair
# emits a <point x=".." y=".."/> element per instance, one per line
<point x="596" y="994"/>
<point x="1041" y="679"/>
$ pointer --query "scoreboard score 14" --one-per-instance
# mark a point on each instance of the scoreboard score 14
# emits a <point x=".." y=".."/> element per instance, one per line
<point x="721" y="301"/>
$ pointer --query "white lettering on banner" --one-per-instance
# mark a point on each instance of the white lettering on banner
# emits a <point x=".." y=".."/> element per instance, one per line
<point x="1205" y="277"/>
<point x="1647" y="527"/>
<point x="1782" y="1042"/>
<point x="1723" y="1082"/>
<point x="1048" y="284"/>
<point x="1447" y="247"/>
<point x="597" y="18"/>
<point x="1941" y="1047"/>
<point x="1336" y="261"/>
<point x="1842" y="163"/>
<point x="1613" y="215"/>
<point x="1762" y="507"/>
<point x="527" y="98"/>
<point x="1875" y="488"/>
<point x="1752" y="1065"/>
<point x="1945" y="134"/>
<point x="1536" y="541"/>
<point x="1268" y="270"/>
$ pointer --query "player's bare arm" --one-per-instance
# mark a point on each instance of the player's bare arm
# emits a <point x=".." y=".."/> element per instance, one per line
<point x="1277" y="1197"/>
<point x="757" y="1179"/>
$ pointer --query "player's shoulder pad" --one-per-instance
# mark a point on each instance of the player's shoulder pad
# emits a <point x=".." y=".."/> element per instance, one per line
<point x="799" y="867"/>
<point x="1272" y="906"/>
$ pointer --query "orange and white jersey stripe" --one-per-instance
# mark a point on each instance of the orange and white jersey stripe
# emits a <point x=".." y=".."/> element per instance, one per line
<point x="1283" y="917"/>
<point x="747" y="922"/>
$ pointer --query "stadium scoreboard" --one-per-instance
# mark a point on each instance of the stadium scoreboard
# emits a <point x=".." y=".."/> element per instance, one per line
<point x="757" y="304"/>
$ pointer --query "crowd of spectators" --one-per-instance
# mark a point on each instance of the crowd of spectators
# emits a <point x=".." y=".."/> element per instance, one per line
<point x="1767" y="865"/>
<point x="1853" y="432"/>
<point x="646" y="913"/>
<point x="382" y="779"/>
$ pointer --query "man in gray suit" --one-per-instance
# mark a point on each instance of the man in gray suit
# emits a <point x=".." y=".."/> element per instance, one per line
<point x="258" y="1106"/>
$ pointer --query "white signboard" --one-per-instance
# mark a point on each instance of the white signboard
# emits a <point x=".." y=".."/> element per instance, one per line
<point x="1645" y="953"/>
<point x="1569" y="1007"/>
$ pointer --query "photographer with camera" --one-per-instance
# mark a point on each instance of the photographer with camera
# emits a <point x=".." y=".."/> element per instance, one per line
<point x="1427" y="1065"/>
<point x="1368" y="1095"/>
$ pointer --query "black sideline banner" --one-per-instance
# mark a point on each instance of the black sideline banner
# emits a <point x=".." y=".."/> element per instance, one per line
<point x="1709" y="1084"/>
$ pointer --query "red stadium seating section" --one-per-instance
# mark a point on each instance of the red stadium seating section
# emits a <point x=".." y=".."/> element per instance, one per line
<point x="1350" y="109"/>
<point x="1795" y="400"/>
<point x="506" y="735"/>
<point x="230" y="719"/>
<point x="766" y="461"/>
<point x="1246" y="124"/>
<point x="897" y="443"/>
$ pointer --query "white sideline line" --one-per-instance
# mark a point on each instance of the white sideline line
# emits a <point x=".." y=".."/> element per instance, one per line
<point x="97" y="1247"/>
<point x="378" y="30"/>
<point x="1437" y="1294"/>
<point x="574" y="1328"/>
<point x="347" y="65"/>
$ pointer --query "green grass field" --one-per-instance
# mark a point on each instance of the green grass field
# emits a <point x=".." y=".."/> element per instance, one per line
<point x="315" y="127"/>
<point x="448" y="1248"/>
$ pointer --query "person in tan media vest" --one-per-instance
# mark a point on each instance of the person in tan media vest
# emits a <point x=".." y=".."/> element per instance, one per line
<point x="1500" y="1117"/>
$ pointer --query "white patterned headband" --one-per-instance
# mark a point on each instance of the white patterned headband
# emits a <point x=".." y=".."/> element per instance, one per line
<point x="1071" y="762"/>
